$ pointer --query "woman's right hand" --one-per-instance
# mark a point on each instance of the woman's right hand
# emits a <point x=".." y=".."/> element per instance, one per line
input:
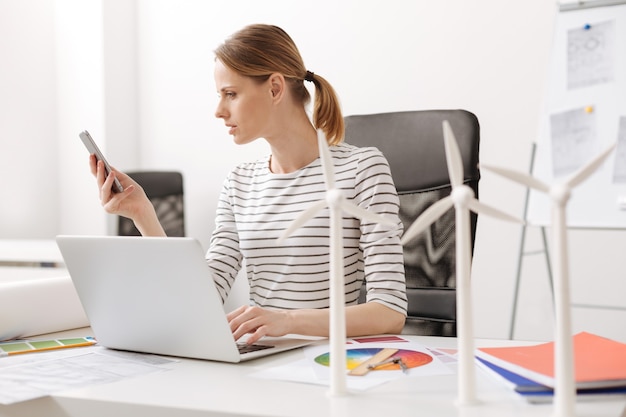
<point x="132" y="202"/>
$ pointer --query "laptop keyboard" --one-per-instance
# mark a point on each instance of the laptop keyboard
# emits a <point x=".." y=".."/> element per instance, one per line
<point x="245" y="348"/>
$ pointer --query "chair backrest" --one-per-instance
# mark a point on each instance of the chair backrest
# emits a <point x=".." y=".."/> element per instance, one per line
<point x="412" y="142"/>
<point x="165" y="191"/>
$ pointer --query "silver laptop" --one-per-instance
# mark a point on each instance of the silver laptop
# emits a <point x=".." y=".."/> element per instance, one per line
<point x="156" y="295"/>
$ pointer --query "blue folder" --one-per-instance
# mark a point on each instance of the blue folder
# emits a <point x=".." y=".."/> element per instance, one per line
<point x="536" y="392"/>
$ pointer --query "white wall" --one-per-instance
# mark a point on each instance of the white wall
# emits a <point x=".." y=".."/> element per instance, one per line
<point x="28" y="151"/>
<point x="487" y="56"/>
<point x="97" y="90"/>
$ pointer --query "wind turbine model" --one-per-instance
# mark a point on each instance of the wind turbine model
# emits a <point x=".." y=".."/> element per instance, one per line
<point x="336" y="202"/>
<point x="565" y="388"/>
<point x="463" y="199"/>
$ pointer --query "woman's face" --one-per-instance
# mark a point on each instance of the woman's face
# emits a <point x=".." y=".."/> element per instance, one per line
<point x="244" y="104"/>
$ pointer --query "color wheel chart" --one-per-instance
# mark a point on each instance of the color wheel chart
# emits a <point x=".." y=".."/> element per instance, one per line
<point x="354" y="357"/>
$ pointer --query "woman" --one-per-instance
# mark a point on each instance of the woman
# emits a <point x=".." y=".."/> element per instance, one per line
<point x="260" y="75"/>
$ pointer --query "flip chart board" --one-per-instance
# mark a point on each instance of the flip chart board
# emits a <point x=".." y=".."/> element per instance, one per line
<point x="584" y="112"/>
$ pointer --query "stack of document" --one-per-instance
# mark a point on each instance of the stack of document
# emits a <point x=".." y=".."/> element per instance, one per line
<point x="600" y="367"/>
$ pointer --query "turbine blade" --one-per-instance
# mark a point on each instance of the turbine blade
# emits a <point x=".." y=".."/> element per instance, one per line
<point x="304" y="217"/>
<point x="582" y="174"/>
<point x="481" y="208"/>
<point x="519" y="177"/>
<point x="361" y="213"/>
<point x="327" y="160"/>
<point x="427" y="218"/>
<point x="453" y="155"/>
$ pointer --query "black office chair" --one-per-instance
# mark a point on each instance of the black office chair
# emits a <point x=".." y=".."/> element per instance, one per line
<point x="165" y="191"/>
<point x="412" y="142"/>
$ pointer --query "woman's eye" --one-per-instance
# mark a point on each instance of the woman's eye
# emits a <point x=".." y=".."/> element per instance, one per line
<point x="226" y="94"/>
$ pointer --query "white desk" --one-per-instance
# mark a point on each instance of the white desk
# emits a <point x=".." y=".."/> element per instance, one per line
<point x="30" y="252"/>
<point x="203" y="388"/>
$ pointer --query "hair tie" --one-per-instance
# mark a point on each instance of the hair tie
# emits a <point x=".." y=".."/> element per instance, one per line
<point x="309" y="76"/>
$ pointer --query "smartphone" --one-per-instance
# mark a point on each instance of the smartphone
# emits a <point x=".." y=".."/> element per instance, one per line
<point x="93" y="148"/>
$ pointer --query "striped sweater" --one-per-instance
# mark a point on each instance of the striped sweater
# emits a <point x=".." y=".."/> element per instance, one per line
<point x="256" y="206"/>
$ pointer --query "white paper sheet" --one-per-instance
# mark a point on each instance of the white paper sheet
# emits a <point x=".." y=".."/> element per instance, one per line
<point x="573" y="135"/>
<point x="309" y="371"/>
<point x="591" y="54"/>
<point x="32" y="375"/>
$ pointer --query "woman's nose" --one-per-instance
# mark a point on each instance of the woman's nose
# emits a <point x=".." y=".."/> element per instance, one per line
<point x="220" y="111"/>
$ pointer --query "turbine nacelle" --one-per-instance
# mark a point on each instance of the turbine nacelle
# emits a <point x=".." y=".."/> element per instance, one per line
<point x="334" y="198"/>
<point x="560" y="193"/>
<point x="462" y="195"/>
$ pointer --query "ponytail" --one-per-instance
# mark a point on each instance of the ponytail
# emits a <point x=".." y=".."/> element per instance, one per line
<point x="326" y="109"/>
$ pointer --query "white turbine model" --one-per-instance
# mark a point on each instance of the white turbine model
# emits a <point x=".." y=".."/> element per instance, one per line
<point x="565" y="388"/>
<point x="336" y="202"/>
<point x="463" y="199"/>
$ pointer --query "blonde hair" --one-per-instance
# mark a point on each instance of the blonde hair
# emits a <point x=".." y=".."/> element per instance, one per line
<point x="259" y="50"/>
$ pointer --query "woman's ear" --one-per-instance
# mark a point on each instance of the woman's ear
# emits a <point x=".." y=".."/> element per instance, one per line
<point x="277" y="86"/>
